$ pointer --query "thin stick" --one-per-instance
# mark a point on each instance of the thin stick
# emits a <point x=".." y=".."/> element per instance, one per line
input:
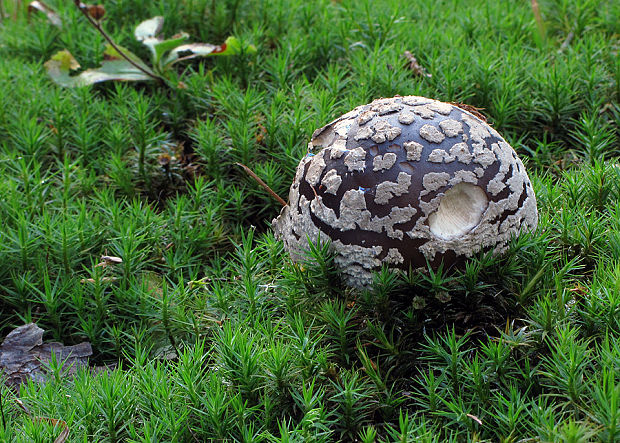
<point x="18" y="7"/>
<point x="2" y="410"/>
<point x="105" y="35"/>
<point x="539" y="20"/>
<point x="262" y="183"/>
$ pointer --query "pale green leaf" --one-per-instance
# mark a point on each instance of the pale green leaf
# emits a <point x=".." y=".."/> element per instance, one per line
<point x="231" y="46"/>
<point x="113" y="70"/>
<point x="59" y="67"/>
<point x="159" y="47"/>
<point x="62" y="63"/>
<point x="112" y="54"/>
<point x="173" y="42"/>
<point x="64" y="60"/>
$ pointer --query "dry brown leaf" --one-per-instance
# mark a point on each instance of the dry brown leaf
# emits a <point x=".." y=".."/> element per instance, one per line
<point x="101" y="280"/>
<point x="96" y="11"/>
<point x="472" y="110"/>
<point x="63" y="435"/>
<point x="111" y="259"/>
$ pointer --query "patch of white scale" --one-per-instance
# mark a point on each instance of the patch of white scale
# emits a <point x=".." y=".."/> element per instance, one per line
<point x="364" y="133"/>
<point x="440" y="107"/>
<point x="431" y="134"/>
<point x="356" y="262"/>
<point x="393" y="257"/>
<point x="478" y="133"/>
<point x="384" y="131"/>
<point x="432" y="181"/>
<point x="406" y="117"/>
<point x="317" y="164"/>
<point x="332" y="181"/>
<point x="387" y="108"/>
<point x="459" y="151"/>
<point x="413" y="100"/>
<point x="354" y="215"/>
<point x="386" y="190"/>
<point x="414" y="150"/>
<point x="365" y="117"/>
<point x="354" y="160"/>
<point x="338" y="149"/>
<point x="450" y="127"/>
<point x="386" y="161"/>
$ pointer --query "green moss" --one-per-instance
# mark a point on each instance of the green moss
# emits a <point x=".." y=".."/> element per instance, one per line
<point x="522" y="346"/>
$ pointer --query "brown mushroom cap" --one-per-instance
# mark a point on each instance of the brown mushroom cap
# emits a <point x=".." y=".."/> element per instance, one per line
<point x="406" y="180"/>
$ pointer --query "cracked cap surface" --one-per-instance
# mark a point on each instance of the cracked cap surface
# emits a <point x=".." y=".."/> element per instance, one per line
<point x="374" y="179"/>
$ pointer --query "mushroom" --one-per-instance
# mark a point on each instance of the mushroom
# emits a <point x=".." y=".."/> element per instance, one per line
<point x="406" y="182"/>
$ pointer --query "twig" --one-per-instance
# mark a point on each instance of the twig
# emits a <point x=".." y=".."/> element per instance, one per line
<point x="539" y="20"/>
<point x="18" y="7"/>
<point x="2" y="410"/>
<point x="262" y="183"/>
<point x="84" y="10"/>
<point x="415" y="66"/>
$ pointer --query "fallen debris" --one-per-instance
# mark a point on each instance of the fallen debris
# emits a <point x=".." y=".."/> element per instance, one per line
<point x="52" y="16"/>
<point x="415" y="66"/>
<point x="64" y="434"/>
<point x="101" y="280"/>
<point x="472" y="110"/>
<point x="107" y="260"/>
<point x="24" y="356"/>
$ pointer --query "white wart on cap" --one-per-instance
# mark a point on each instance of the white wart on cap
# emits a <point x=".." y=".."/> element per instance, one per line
<point x="406" y="180"/>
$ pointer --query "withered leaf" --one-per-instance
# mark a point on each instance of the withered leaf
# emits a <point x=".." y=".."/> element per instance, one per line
<point x="111" y="259"/>
<point x="472" y="110"/>
<point x="51" y="15"/>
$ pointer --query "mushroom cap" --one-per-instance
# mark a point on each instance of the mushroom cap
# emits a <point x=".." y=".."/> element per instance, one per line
<point x="403" y="182"/>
